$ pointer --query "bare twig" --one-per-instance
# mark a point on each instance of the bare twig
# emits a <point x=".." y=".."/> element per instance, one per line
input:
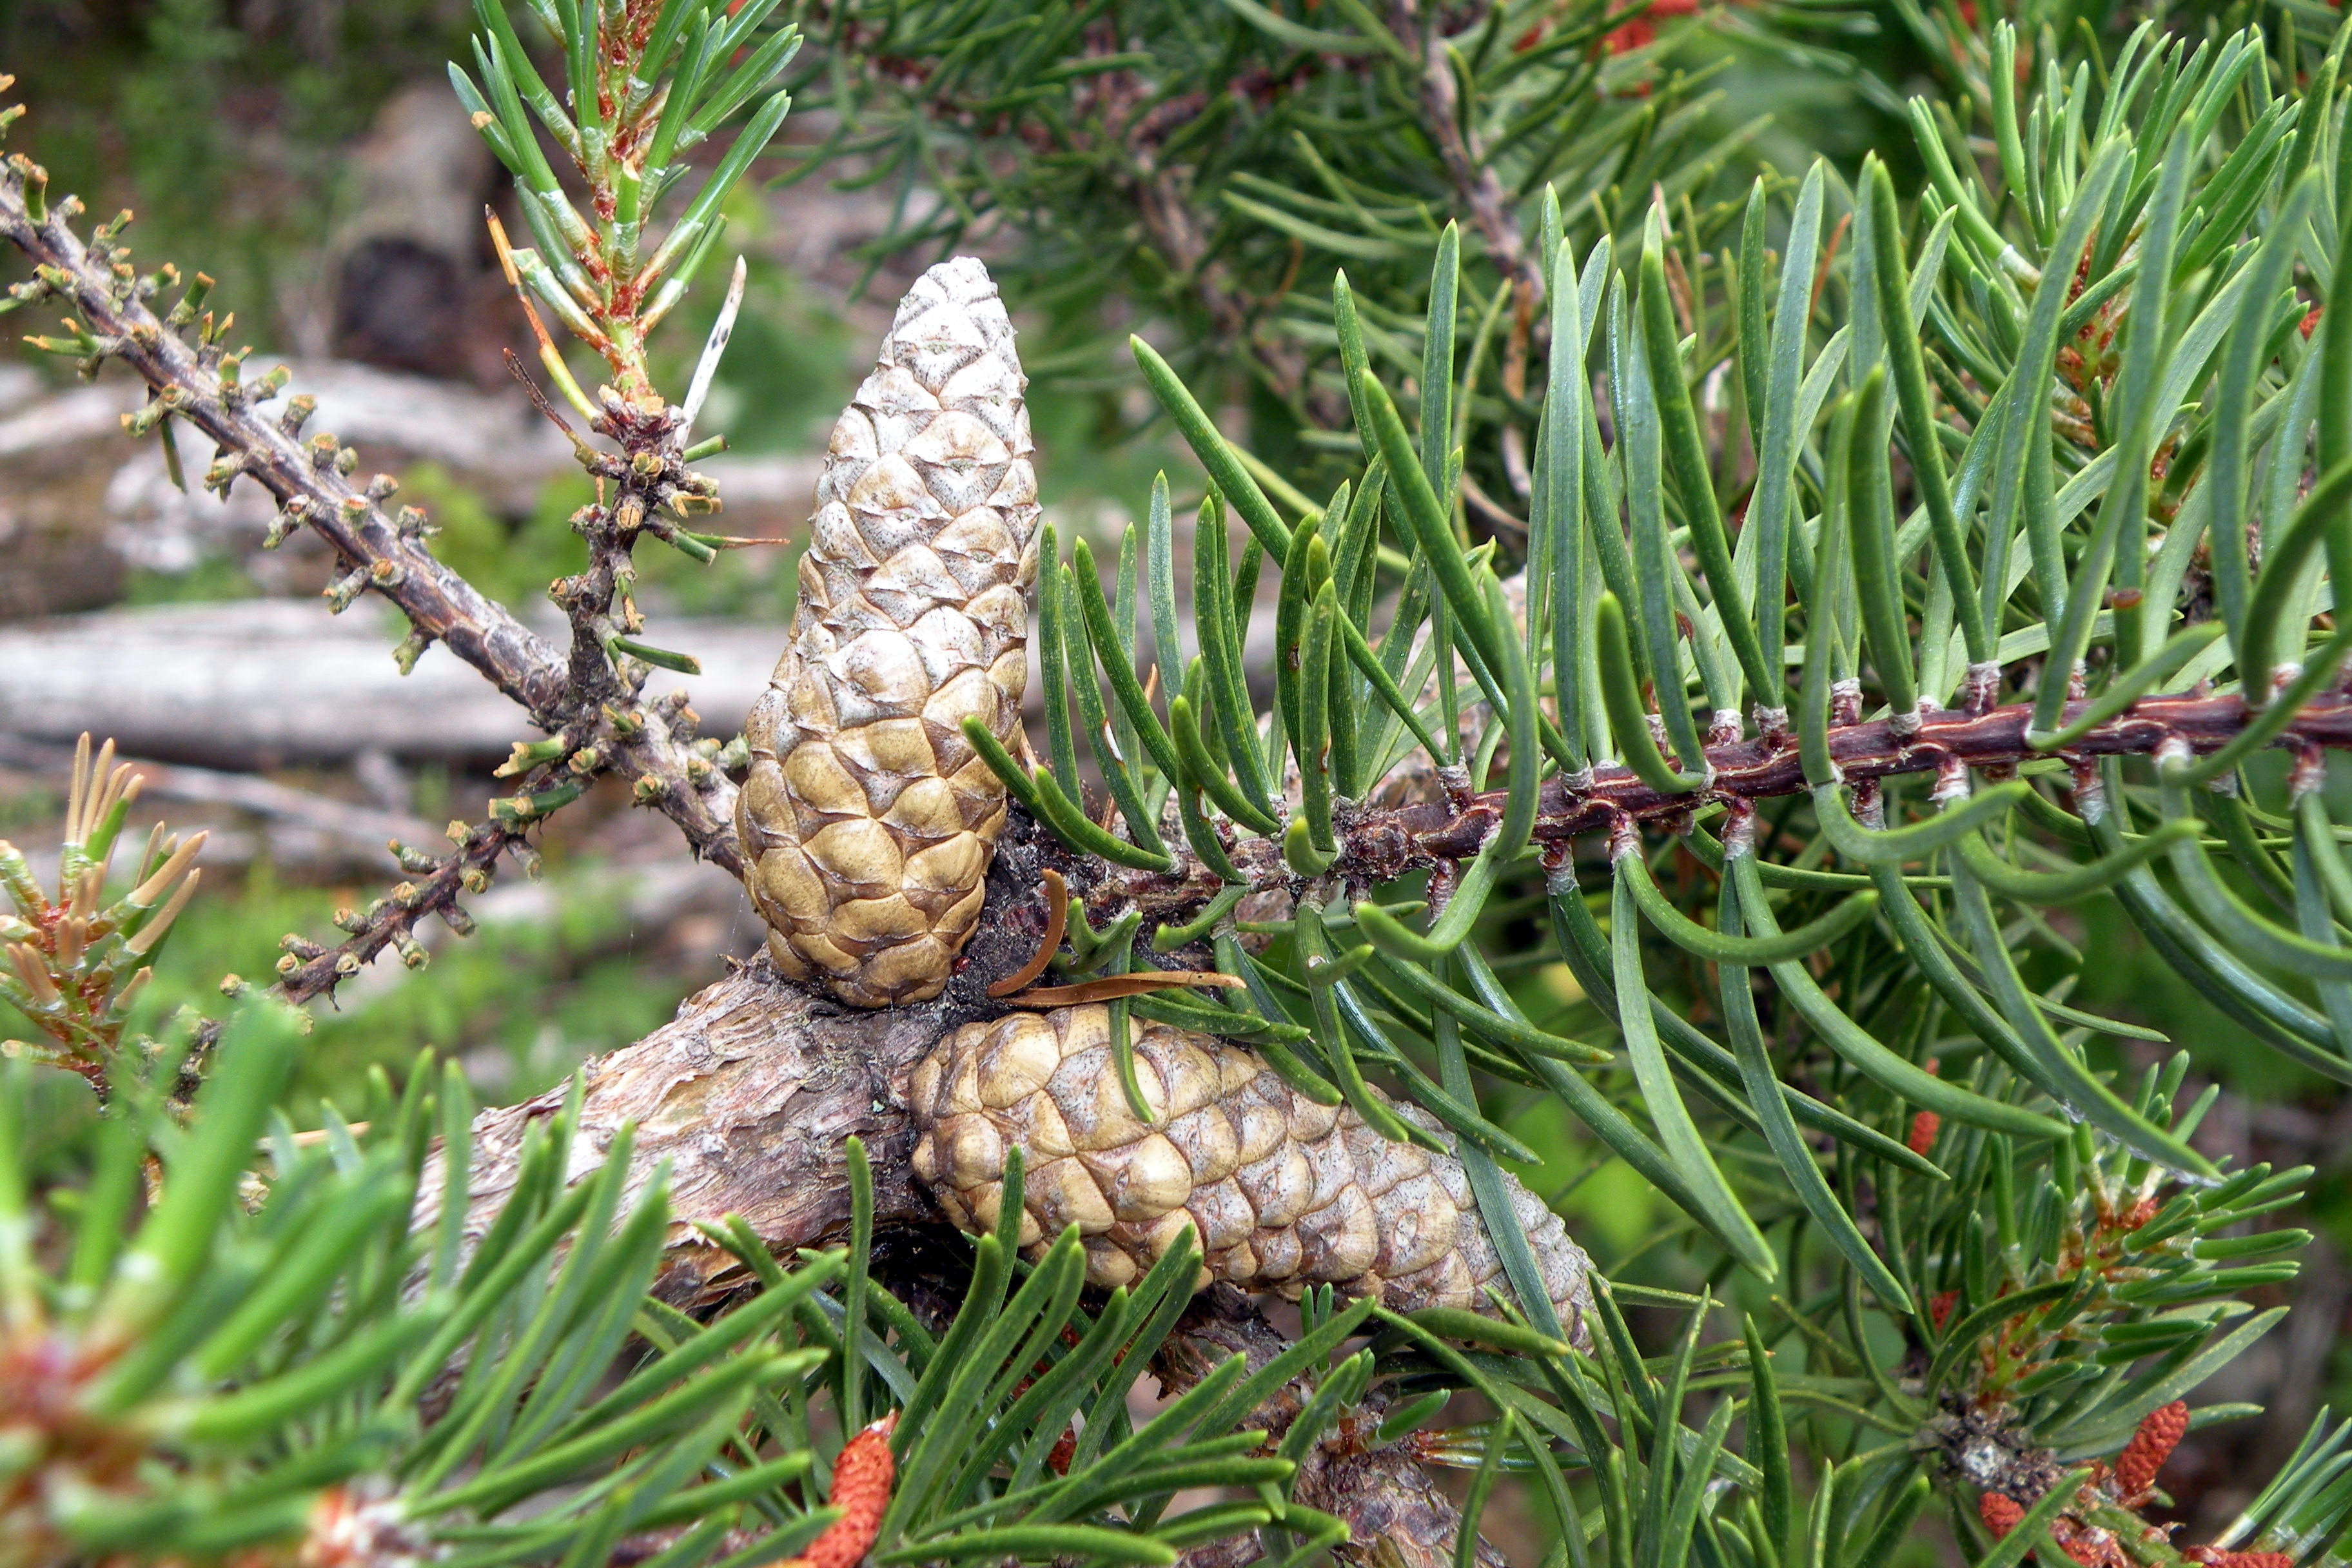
<point x="588" y="698"/>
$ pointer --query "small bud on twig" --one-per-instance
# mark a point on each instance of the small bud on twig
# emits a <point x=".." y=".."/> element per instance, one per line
<point x="346" y="588"/>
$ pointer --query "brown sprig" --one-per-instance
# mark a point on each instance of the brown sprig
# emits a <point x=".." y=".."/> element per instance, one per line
<point x="591" y="694"/>
<point x="1056" y="893"/>
<point x="1112" y="987"/>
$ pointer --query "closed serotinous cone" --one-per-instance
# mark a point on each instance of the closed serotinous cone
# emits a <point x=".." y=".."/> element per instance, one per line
<point x="1282" y="1193"/>
<point x="867" y="820"/>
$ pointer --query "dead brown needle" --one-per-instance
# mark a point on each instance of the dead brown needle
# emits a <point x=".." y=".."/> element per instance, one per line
<point x="1111" y="987"/>
<point x="1057" y="921"/>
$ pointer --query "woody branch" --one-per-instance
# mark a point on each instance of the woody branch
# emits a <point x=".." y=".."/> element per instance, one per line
<point x="588" y="699"/>
<point x="1377" y="846"/>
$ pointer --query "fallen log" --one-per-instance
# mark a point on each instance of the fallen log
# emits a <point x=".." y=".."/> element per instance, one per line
<point x="261" y="683"/>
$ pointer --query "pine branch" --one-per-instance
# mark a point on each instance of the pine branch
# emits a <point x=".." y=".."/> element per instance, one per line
<point x="1378" y="845"/>
<point x="588" y="698"/>
<point x="442" y="606"/>
<point x="187" y="380"/>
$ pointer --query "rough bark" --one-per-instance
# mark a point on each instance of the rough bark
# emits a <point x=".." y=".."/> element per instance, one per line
<point x="750" y="1094"/>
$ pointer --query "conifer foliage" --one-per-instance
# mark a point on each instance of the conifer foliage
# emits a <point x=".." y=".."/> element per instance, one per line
<point x="1892" y="568"/>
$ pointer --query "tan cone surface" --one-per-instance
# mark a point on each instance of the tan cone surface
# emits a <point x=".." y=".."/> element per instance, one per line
<point x="867" y="820"/>
<point x="1283" y="1193"/>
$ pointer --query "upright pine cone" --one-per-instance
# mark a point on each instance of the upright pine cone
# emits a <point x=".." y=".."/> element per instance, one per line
<point x="1283" y="1193"/>
<point x="867" y="820"/>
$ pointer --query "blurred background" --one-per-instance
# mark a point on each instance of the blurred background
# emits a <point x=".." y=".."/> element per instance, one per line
<point x="311" y="156"/>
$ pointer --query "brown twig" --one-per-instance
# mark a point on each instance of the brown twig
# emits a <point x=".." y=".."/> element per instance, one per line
<point x="1112" y="987"/>
<point x="1058" y="917"/>
<point x="1375" y="845"/>
<point x="591" y="698"/>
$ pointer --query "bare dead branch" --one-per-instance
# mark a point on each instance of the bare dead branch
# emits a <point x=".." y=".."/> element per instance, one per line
<point x="589" y="698"/>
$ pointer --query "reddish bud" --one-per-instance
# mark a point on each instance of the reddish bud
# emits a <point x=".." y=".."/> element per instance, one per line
<point x="1941" y="1308"/>
<point x="861" y="1490"/>
<point x="2214" y="1557"/>
<point x="1999" y="1513"/>
<point x="2159" y="1433"/>
<point x="2312" y="319"/>
<point x="1924" y="1125"/>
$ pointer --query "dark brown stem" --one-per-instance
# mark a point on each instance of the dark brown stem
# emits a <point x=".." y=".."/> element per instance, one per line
<point x="1376" y="845"/>
<point x="309" y="972"/>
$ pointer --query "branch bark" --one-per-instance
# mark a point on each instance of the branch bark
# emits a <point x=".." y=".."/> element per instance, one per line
<point x="750" y="1094"/>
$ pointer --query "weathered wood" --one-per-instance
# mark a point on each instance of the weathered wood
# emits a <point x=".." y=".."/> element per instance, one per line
<point x="259" y="683"/>
<point x="749" y="1095"/>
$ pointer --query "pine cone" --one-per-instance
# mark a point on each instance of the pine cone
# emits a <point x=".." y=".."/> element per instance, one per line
<point x="867" y="819"/>
<point x="1283" y="1193"/>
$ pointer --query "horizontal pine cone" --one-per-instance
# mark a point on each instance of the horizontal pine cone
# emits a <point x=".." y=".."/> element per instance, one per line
<point x="1283" y="1193"/>
<point x="867" y="820"/>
